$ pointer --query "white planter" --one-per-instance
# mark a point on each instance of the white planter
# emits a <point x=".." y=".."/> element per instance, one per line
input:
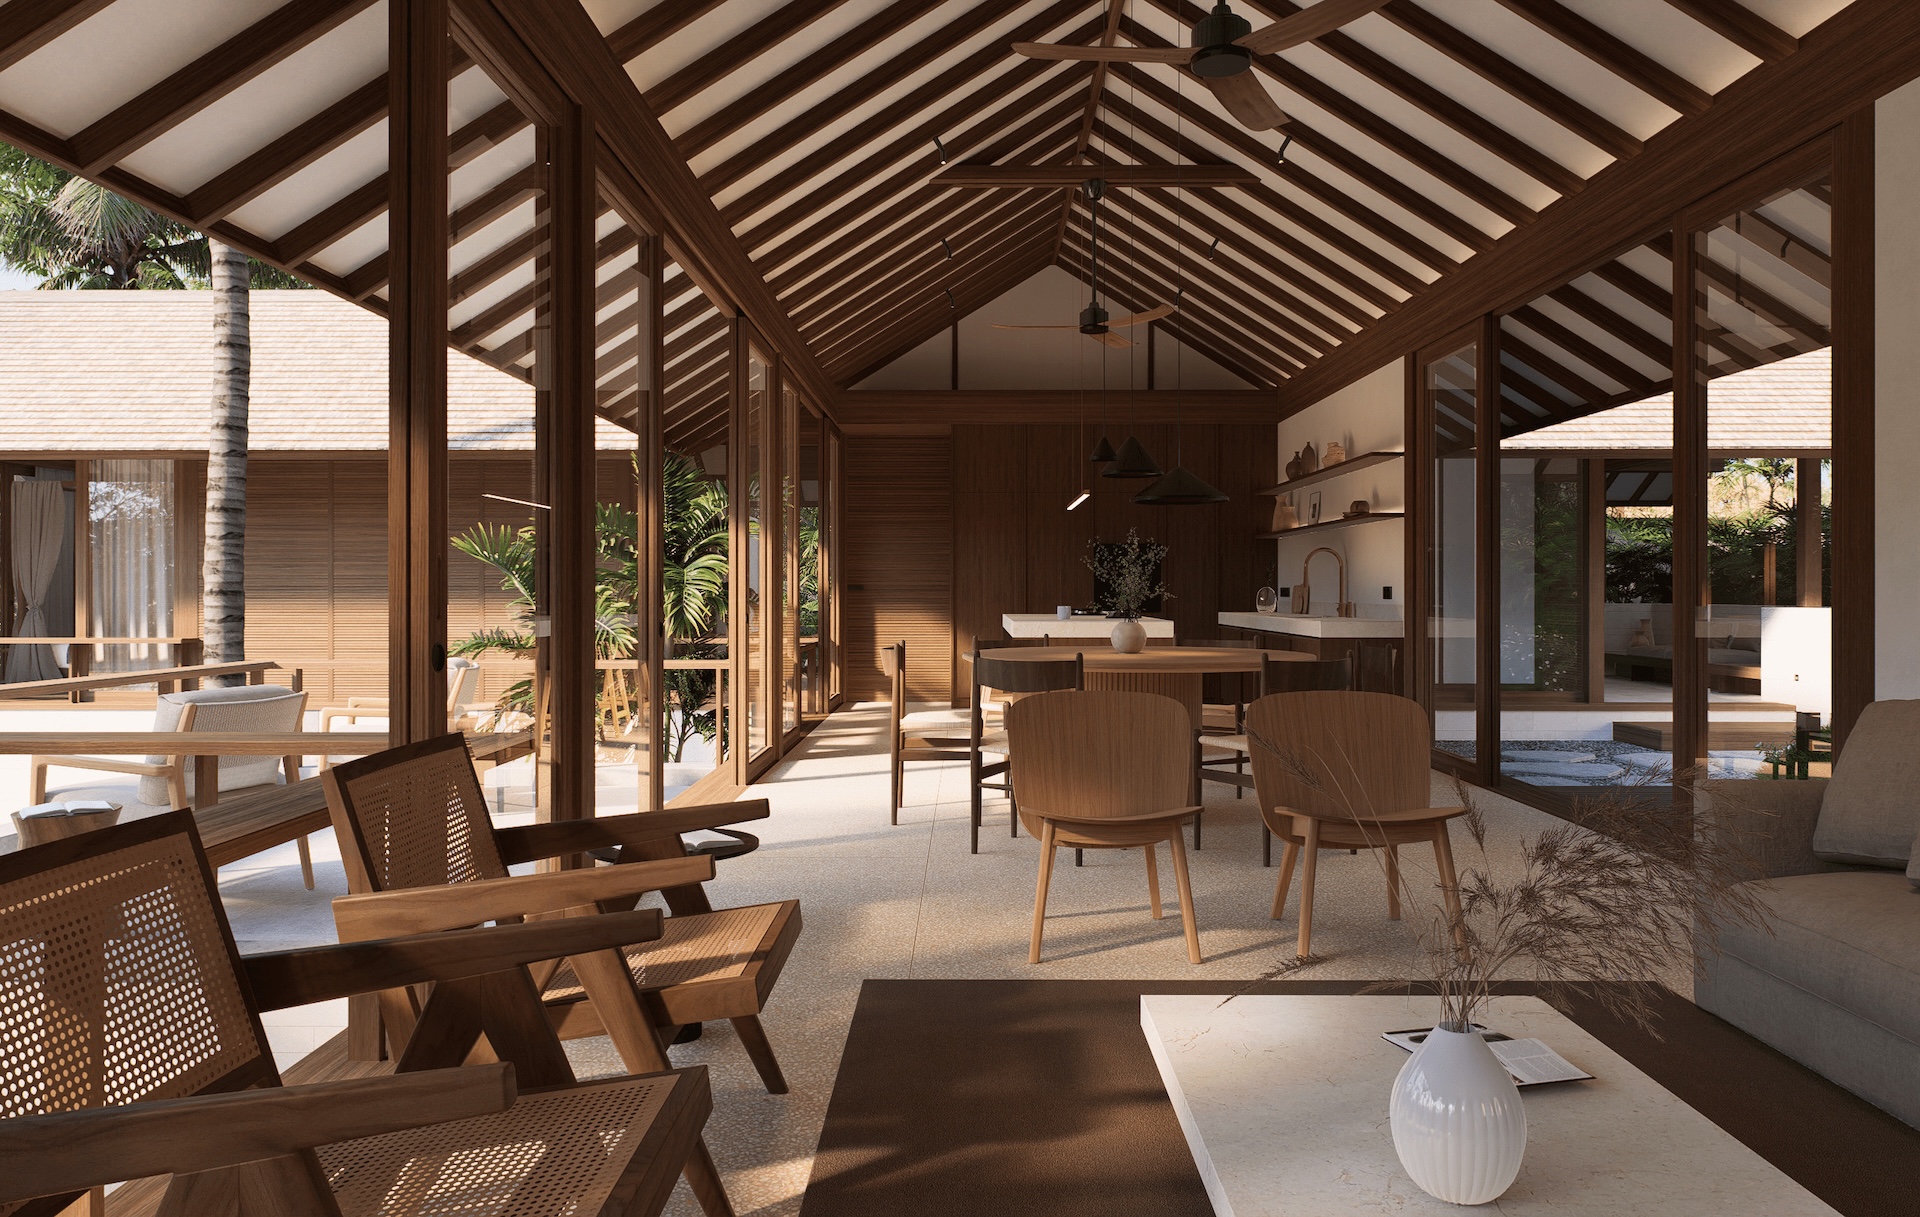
<point x="1458" y="1123"/>
<point x="1129" y="638"/>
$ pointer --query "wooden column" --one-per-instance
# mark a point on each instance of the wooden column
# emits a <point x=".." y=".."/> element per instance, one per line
<point x="417" y="338"/>
<point x="1416" y="609"/>
<point x="1807" y="530"/>
<point x="650" y="515"/>
<point x="566" y="457"/>
<point x="1853" y="409"/>
<point x="738" y="471"/>
<point x="1691" y="590"/>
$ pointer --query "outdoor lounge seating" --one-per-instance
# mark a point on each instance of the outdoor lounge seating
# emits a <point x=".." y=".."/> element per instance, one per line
<point x="131" y="910"/>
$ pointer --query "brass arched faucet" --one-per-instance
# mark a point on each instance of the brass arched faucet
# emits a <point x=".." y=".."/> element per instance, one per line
<point x="1303" y="594"/>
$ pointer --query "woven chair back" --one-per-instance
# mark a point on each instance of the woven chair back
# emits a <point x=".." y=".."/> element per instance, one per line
<point x="1340" y="753"/>
<point x="1100" y="753"/>
<point x="118" y="977"/>
<point x="412" y="816"/>
<point x="1309" y="675"/>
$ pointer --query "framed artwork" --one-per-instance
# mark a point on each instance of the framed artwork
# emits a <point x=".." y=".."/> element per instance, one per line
<point x="1313" y="508"/>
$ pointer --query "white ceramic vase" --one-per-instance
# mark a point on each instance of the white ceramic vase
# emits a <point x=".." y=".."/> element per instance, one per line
<point x="1458" y="1123"/>
<point x="1129" y="637"/>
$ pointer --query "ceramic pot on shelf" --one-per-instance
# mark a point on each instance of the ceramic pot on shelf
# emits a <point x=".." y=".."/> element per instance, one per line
<point x="1309" y="460"/>
<point x="1336" y="454"/>
<point x="1129" y="637"/>
<point x="1458" y="1123"/>
<point x="1293" y="467"/>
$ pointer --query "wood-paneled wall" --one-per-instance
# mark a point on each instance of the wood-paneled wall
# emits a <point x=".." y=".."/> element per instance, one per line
<point x="317" y="565"/>
<point x="1017" y="549"/>
<point x="944" y="533"/>
<point x="897" y="563"/>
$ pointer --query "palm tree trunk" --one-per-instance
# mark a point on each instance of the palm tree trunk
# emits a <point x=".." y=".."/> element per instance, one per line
<point x="223" y="569"/>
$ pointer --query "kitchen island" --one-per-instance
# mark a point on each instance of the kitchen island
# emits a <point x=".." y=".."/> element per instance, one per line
<point x="1329" y="637"/>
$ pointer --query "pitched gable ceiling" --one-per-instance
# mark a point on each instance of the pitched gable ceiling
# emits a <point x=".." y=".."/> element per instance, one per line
<point x="1418" y="135"/>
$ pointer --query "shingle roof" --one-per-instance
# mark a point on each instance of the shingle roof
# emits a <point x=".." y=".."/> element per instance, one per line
<point x="1786" y="405"/>
<point x="107" y="371"/>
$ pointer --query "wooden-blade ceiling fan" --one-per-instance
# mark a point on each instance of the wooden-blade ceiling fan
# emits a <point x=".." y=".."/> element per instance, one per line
<point x="1224" y="45"/>
<point x="1095" y="322"/>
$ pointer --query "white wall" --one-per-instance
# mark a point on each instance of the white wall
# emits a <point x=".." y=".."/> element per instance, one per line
<point x="1046" y="359"/>
<point x="1896" y="438"/>
<point x="1367" y="416"/>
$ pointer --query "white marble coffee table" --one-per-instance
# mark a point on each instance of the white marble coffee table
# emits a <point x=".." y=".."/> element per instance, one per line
<point x="1284" y="1103"/>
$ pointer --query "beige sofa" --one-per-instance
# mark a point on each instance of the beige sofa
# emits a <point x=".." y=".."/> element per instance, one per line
<point x="1834" y="980"/>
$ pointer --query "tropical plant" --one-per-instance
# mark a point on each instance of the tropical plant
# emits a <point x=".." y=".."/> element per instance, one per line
<point x="693" y="590"/>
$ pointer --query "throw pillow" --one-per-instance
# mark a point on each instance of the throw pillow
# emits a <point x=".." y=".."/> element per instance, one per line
<point x="1872" y="810"/>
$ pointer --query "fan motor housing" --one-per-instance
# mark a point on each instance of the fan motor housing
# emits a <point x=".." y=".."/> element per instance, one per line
<point x="1215" y="36"/>
<point x="1093" y="320"/>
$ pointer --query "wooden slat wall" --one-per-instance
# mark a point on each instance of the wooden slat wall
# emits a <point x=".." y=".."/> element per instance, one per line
<point x="898" y="562"/>
<point x="1018" y="549"/>
<point x="317" y="569"/>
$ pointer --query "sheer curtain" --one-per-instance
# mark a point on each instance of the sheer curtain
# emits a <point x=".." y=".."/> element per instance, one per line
<point x="130" y="505"/>
<point x="40" y="523"/>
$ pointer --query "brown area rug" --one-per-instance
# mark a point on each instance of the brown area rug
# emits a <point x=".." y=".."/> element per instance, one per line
<point x="1011" y="1097"/>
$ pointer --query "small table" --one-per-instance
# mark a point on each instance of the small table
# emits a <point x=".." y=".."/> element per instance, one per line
<point x="1283" y="1100"/>
<point x="1051" y="625"/>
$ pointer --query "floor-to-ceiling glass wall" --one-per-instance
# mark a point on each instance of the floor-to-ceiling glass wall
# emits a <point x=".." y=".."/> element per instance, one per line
<point x="1762" y="298"/>
<point x="1449" y="414"/>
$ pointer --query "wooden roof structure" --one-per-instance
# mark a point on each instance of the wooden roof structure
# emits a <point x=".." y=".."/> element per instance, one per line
<point x="800" y="147"/>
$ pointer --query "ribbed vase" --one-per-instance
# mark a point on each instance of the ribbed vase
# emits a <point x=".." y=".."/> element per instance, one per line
<point x="1458" y="1123"/>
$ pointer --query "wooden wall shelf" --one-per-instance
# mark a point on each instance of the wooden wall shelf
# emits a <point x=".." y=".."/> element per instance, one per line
<point x="1350" y="465"/>
<point x="1341" y="522"/>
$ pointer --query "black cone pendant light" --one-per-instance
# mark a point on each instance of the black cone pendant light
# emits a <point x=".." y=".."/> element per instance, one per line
<point x="1179" y="488"/>
<point x="1102" y="452"/>
<point x="1132" y="462"/>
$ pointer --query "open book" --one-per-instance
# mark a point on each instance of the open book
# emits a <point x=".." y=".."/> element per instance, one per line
<point x="1530" y="1061"/>
<point x="72" y="807"/>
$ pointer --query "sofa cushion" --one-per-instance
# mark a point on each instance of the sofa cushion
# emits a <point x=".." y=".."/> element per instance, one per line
<point x="1872" y="808"/>
<point x="1850" y="937"/>
<point x="230" y="708"/>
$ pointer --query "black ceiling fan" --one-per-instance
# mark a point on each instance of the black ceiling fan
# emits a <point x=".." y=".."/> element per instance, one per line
<point x="1095" y="321"/>
<point x="1222" y="51"/>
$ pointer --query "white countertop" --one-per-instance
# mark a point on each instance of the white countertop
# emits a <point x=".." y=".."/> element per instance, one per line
<point x="1283" y="1100"/>
<point x="1316" y="626"/>
<point x="1049" y="625"/>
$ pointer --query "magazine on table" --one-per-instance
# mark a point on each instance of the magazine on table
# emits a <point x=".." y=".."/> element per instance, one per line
<point x="1530" y="1061"/>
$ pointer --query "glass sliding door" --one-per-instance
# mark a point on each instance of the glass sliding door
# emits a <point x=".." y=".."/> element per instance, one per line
<point x="1762" y="299"/>
<point x="1449" y="387"/>
<point x="754" y="636"/>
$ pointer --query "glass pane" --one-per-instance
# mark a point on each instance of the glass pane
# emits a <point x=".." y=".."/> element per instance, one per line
<point x="759" y="413"/>
<point x="130" y="509"/>
<point x="1764" y="307"/>
<point x="808" y="534"/>
<point x="1450" y="390"/>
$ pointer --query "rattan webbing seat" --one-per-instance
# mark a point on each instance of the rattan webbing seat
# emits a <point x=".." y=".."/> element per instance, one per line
<point x="131" y="1047"/>
<point x="414" y="818"/>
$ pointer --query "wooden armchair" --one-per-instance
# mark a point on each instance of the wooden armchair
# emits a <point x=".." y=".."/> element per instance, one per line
<point x="1105" y="769"/>
<point x="1355" y="774"/>
<point x="133" y="1050"/>
<point x="421" y="853"/>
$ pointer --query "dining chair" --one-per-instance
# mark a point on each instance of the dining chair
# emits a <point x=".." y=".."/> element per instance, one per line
<point x="415" y="834"/>
<point x="1105" y="769"/>
<point x="1275" y="676"/>
<point x="1376" y="666"/>
<point x="1017" y="677"/>
<point x="1352" y="772"/>
<point x="919" y="735"/>
<point x="1225" y="696"/>
<point x="122" y="982"/>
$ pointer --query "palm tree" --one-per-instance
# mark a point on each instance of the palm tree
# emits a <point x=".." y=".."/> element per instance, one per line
<point x="74" y="233"/>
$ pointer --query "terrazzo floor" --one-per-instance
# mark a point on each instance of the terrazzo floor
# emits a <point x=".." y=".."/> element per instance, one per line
<point x="908" y="901"/>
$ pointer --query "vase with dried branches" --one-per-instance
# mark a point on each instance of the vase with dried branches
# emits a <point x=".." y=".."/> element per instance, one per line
<point x="1629" y="888"/>
<point x="1130" y="571"/>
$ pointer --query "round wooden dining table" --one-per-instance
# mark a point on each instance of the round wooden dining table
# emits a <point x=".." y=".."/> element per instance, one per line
<point x="1169" y="671"/>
